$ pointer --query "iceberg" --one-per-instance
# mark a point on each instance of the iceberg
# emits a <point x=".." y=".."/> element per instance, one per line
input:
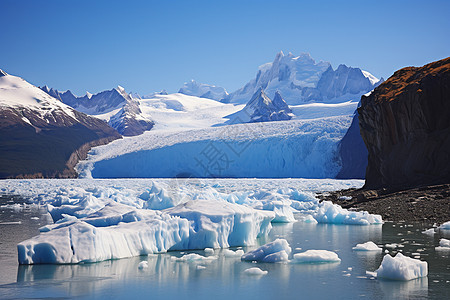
<point x="402" y="267"/>
<point x="111" y="233"/>
<point x="275" y="251"/>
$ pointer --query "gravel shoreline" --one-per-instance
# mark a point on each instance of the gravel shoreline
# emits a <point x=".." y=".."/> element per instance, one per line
<point x="430" y="204"/>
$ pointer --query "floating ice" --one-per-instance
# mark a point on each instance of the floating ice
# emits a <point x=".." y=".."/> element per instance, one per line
<point x="332" y="213"/>
<point x="231" y="253"/>
<point x="209" y="250"/>
<point x="402" y="267"/>
<point x="429" y="232"/>
<point x="118" y="231"/>
<point x="194" y="257"/>
<point x="316" y="256"/>
<point x="445" y="226"/>
<point x="143" y="265"/>
<point x="275" y="251"/>
<point x="444" y="245"/>
<point x="369" y="246"/>
<point x="255" y="271"/>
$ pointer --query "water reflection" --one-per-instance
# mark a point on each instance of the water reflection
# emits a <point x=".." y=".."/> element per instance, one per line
<point x="413" y="289"/>
<point x="224" y="277"/>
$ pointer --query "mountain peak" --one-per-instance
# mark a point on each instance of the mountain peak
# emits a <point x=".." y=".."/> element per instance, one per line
<point x="2" y="73"/>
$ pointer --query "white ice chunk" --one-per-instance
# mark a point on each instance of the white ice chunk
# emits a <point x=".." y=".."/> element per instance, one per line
<point x="369" y="246"/>
<point x="402" y="267"/>
<point x="209" y="250"/>
<point x="444" y="245"/>
<point x="429" y="232"/>
<point x="255" y="271"/>
<point x="195" y="257"/>
<point x="231" y="253"/>
<point x="333" y="213"/>
<point x="316" y="256"/>
<point x="275" y="251"/>
<point x="143" y="265"/>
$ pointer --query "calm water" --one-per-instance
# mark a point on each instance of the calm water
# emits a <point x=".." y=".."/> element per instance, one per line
<point x="224" y="278"/>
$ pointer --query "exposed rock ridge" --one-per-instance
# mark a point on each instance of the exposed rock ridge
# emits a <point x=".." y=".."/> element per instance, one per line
<point x="405" y="124"/>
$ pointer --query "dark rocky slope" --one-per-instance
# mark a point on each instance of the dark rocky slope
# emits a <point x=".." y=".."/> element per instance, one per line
<point x="353" y="153"/>
<point x="40" y="136"/>
<point x="405" y="124"/>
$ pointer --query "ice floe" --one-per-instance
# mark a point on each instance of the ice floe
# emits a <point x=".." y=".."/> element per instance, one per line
<point x="255" y="271"/>
<point x="401" y="267"/>
<point x="275" y="251"/>
<point x="316" y="256"/>
<point x="368" y="246"/>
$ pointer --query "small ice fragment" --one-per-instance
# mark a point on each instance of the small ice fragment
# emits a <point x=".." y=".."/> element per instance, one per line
<point x="143" y="265"/>
<point x="349" y="268"/>
<point x="345" y="198"/>
<point x="255" y="271"/>
<point x="373" y="274"/>
<point x="298" y="249"/>
<point x="231" y="253"/>
<point x="444" y="243"/>
<point x="347" y="274"/>
<point x="11" y="223"/>
<point x="386" y="251"/>
<point x="368" y="246"/>
<point x="200" y="267"/>
<point x="275" y="251"/>
<point x="209" y="250"/>
<point x="195" y="257"/>
<point x="316" y="256"/>
<point x="34" y="218"/>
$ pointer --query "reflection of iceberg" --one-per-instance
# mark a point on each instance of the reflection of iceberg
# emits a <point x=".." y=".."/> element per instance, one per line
<point x="413" y="289"/>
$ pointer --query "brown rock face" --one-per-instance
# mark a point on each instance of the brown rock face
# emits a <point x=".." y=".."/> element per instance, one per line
<point x="405" y="124"/>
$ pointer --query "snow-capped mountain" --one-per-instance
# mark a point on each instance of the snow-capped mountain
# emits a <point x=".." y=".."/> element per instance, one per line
<point x="261" y="108"/>
<point x="41" y="136"/>
<point x="115" y="106"/>
<point x="193" y="88"/>
<point x="301" y="79"/>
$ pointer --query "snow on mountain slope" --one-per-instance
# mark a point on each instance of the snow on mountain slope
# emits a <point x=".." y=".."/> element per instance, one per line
<point x="300" y="148"/>
<point x="301" y="79"/>
<point x="182" y="112"/>
<point x="193" y="88"/>
<point x="17" y="93"/>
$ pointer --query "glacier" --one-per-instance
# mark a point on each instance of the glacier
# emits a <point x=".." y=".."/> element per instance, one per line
<point x="297" y="148"/>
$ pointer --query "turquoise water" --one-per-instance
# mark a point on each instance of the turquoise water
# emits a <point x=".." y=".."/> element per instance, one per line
<point x="223" y="278"/>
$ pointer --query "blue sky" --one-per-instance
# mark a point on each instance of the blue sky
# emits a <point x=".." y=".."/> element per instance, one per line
<point x="147" y="46"/>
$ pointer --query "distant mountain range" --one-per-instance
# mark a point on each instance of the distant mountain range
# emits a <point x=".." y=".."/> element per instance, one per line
<point x="301" y="80"/>
<point x="115" y="106"/>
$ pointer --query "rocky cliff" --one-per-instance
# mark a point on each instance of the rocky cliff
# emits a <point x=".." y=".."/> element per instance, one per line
<point x="405" y="124"/>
